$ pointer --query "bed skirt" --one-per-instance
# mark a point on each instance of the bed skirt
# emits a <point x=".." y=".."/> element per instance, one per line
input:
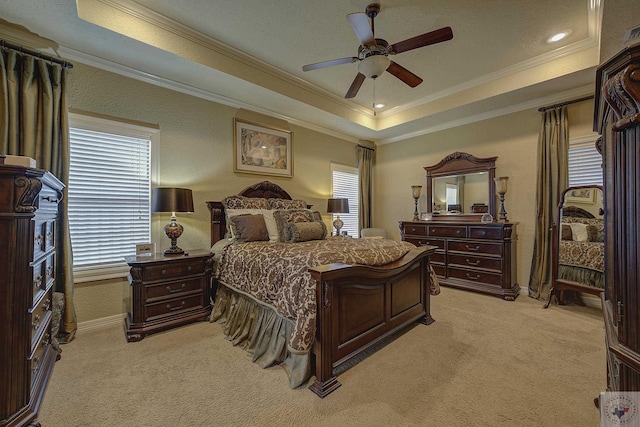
<point x="260" y="331"/>
<point x="577" y="274"/>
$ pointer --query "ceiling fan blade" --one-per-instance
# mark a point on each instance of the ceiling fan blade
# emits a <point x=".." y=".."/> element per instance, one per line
<point x="360" y="24"/>
<point x="330" y="63"/>
<point x="403" y="74"/>
<point x="355" y="86"/>
<point x="433" y="37"/>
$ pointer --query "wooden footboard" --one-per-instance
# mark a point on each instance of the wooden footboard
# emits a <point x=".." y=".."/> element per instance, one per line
<point x="360" y="306"/>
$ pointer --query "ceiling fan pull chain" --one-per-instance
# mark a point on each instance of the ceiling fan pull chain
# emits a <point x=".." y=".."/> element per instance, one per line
<point x="374" y="98"/>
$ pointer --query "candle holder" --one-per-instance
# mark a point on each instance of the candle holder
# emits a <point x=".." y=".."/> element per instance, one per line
<point x="416" y="195"/>
<point x="501" y="189"/>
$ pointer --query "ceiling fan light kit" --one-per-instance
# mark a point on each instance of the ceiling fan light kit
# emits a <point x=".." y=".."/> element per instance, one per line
<point x="373" y="54"/>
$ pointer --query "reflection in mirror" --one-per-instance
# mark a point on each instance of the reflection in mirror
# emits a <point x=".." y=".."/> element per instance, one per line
<point x="579" y="242"/>
<point x="459" y="193"/>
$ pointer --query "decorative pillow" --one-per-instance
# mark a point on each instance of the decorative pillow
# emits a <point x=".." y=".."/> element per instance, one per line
<point x="249" y="228"/>
<point x="285" y="217"/>
<point x="594" y="234"/>
<point x="272" y="227"/>
<point x="579" y="232"/>
<point x="305" y="231"/>
<point x="240" y="202"/>
<point x="284" y="204"/>
<point x="566" y="232"/>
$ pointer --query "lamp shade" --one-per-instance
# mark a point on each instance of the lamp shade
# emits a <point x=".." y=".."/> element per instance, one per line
<point x="338" y="206"/>
<point x="373" y="66"/>
<point x="168" y="199"/>
<point x="415" y="189"/>
<point x="501" y="184"/>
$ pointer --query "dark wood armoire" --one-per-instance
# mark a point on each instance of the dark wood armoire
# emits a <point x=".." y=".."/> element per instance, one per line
<point x="617" y="120"/>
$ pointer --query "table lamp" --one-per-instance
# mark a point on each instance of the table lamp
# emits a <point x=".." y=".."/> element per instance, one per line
<point x="501" y="189"/>
<point x="167" y="199"/>
<point x="416" y="195"/>
<point x="338" y="206"/>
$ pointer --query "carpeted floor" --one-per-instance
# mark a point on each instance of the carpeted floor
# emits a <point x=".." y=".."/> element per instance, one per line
<point x="484" y="362"/>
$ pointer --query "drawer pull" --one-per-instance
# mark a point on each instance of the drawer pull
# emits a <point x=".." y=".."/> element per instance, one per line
<point x="474" y="248"/>
<point x="189" y="267"/>
<point x="39" y="240"/>
<point x="50" y="199"/>
<point x="37" y="281"/>
<point x="163" y="272"/>
<point x="472" y="262"/>
<point x="36" y="365"/>
<point x="173" y="291"/>
<point x="472" y="277"/>
<point x="36" y="321"/>
<point x="175" y="308"/>
<point x="50" y="272"/>
<point x="46" y="341"/>
<point x="47" y="305"/>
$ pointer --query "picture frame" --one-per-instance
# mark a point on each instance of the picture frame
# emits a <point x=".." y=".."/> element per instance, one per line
<point x="580" y="195"/>
<point x="261" y="149"/>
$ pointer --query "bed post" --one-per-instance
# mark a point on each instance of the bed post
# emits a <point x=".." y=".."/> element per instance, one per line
<point x="325" y="381"/>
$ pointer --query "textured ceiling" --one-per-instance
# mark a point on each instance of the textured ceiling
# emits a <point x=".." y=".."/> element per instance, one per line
<point x="250" y="53"/>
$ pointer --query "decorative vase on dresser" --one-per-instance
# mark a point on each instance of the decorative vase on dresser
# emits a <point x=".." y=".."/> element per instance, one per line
<point x="473" y="252"/>
<point x="617" y="120"/>
<point x="28" y="209"/>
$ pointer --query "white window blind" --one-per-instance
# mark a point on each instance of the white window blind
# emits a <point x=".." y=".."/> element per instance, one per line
<point x="585" y="163"/>
<point x="345" y="185"/>
<point x="109" y="195"/>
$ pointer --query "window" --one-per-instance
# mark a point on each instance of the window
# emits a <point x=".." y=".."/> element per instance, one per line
<point x="585" y="163"/>
<point x="451" y="195"/>
<point x="109" y="194"/>
<point x="345" y="185"/>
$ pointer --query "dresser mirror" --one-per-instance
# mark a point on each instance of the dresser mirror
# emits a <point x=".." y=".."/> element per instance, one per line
<point x="578" y="243"/>
<point x="461" y="187"/>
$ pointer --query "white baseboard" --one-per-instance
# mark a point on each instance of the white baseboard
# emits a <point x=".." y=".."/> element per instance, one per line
<point x="102" y="323"/>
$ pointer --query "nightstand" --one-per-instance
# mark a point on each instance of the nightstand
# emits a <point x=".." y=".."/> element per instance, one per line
<point x="167" y="291"/>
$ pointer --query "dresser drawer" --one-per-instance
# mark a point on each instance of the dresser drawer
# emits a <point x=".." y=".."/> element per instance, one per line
<point x="475" y="276"/>
<point x="475" y="247"/>
<point x="174" y="270"/>
<point x="447" y="231"/>
<point x="440" y="270"/>
<point x="438" y="257"/>
<point x="173" y="289"/>
<point x="415" y="230"/>
<point x="43" y="276"/>
<point x="48" y="199"/>
<point x="35" y="361"/>
<point x="494" y="233"/>
<point x="438" y="243"/>
<point x="40" y="318"/>
<point x="476" y="262"/>
<point x="171" y="307"/>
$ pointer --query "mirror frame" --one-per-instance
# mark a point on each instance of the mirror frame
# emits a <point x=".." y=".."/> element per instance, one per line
<point x="460" y="163"/>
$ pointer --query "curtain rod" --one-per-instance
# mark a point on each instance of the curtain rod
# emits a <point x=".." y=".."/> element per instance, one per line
<point x="21" y="49"/>
<point x="368" y="148"/>
<point x="562" y="104"/>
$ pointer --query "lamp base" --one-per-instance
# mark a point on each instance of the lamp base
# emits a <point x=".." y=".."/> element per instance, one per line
<point x="338" y="224"/>
<point x="173" y="230"/>
<point x="173" y="251"/>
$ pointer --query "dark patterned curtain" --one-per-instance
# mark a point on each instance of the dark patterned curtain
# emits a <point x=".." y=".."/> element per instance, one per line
<point x="365" y="169"/>
<point x="34" y="123"/>
<point x="552" y="179"/>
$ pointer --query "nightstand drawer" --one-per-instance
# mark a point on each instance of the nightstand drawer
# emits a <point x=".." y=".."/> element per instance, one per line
<point x="174" y="270"/>
<point x="172" y="307"/>
<point x="173" y="289"/>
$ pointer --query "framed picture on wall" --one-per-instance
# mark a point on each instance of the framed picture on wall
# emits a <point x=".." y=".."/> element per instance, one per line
<point x="261" y="149"/>
<point x="581" y="195"/>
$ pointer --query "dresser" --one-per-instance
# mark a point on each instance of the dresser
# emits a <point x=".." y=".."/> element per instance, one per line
<point x="617" y="120"/>
<point x="28" y="210"/>
<point x="470" y="255"/>
<point x="167" y="291"/>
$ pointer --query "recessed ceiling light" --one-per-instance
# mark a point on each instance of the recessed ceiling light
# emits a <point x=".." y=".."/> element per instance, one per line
<point x="379" y="106"/>
<point x="559" y="36"/>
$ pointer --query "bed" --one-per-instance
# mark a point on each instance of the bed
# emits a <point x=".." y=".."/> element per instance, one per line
<point x="293" y="305"/>
<point x="581" y="252"/>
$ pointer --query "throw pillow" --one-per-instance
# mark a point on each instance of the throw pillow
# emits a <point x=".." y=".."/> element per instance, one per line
<point x="305" y="231"/>
<point x="284" y="204"/>
<point x="579" y="232"/>
<point x="566" y="232"/>
<point x="249" y="228"/>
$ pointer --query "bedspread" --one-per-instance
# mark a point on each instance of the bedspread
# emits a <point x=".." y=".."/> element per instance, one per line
<point x="582" y="254"/>
<point x="277" y="274"/>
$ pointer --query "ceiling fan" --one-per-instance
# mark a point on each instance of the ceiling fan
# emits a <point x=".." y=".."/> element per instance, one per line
<point x="373" y="53"/>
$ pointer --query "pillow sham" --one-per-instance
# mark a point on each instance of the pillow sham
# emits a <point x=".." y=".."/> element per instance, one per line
<point x="269" y="220"/>
<point x="240" y="202"/>
<point x="305" y="231"/>
<point x="283" y="204"/>
<point x="566" y="232"/>
<point x="249" y="228"/>
<point x="594" y="234"/>
<point x="579" y="232"/>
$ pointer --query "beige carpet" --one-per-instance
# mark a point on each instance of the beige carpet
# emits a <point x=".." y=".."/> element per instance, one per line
<point x="485" y="362"/>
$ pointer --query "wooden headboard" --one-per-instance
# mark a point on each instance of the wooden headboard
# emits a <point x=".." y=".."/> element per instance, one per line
<point x="261" y="190"/>
<point x="576" y="212"/>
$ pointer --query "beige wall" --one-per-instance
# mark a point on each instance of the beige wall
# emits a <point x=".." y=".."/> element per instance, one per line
<point x="196" y="151"/>
<point x="513" y="138"/>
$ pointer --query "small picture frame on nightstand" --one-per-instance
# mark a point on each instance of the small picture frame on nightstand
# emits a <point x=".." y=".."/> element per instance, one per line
<point x="145" y="249"/>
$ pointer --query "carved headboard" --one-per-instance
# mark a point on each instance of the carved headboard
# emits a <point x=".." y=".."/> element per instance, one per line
<point x="262" y="190"/>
